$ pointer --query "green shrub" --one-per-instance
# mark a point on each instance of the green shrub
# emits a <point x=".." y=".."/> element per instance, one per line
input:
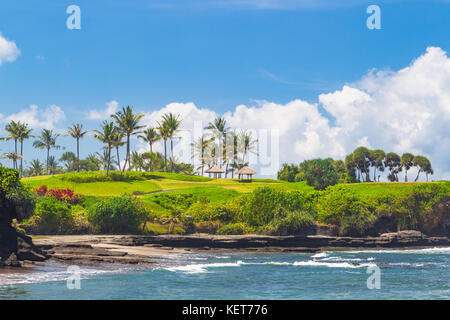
<point x="349" y="212"/>
<point x="210" y="212"/>
<point x="266" y="204"/>
<point x="53" y="217"/>
<point x="294" y="222"/>
<point x="117" y="215"/>
<point x="234" y="228"/>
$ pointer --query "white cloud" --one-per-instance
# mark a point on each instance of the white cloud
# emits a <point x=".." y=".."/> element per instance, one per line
<point x="47" y="119"/>
<point x="111" y="108"/>
<point x="8" y="50"/>
<point x="401" y="111"/>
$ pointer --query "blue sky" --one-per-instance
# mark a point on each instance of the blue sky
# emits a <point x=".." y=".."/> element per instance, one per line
<point x="216" y="54"/>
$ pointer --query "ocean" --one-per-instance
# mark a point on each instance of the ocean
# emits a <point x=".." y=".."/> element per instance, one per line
<point x="362" y="274"/>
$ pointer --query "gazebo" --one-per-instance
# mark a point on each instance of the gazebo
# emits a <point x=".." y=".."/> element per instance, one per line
<point x="245" y="171"/>
<point x="216" y="171"/>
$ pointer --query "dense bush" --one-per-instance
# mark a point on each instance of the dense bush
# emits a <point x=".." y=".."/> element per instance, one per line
<point x="266" y="204"/>
<point x="342" y="207"/>
<point x="211" y="212"/>
<point x="55" y="217"/>
<point x="234" y="228"/>
<point x="117" y="215"/>
<point x="16" y="200"/>
<point x="294" y="222"/>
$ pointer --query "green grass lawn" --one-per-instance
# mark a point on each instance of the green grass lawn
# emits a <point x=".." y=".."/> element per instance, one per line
<point x="216" y="190"/>
<point x="100" y="189"/>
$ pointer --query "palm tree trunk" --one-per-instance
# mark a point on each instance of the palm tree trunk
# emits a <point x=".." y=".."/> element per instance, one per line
<point x="15" y="151"/>
<point x="171" y="152"/>
<point x="118" y="159"/>
<point x="109" y="160"/>
<point x="165" y="155"/>
<point x="151" y="157"/>
<point x="78" y="154"/>
<point x="406" y="175"/>
<point x="48" y="155"/>
<point x="21" y="158"/>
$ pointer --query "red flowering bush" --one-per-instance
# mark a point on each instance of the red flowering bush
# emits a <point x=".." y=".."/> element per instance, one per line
<point x="66" y="195"/>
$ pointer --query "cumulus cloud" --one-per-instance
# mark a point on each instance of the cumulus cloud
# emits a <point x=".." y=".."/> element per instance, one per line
<point x="36" y="118"/>
<point x="402" y="111"/>
<point x="8" y="50"/>
<point x="111" y="108"/>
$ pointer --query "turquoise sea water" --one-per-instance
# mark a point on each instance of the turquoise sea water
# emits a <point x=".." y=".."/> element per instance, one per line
<point x="404" y="274"/>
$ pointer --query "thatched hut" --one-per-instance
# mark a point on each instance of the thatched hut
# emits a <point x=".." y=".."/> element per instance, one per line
<point x="245" y="171"/>
<point x="216" y="171"/>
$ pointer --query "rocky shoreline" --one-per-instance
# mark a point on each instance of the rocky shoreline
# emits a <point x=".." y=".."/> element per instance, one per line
<point x="136" y="249"/>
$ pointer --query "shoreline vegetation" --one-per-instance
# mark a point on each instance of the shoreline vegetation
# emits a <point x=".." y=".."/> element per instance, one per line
<point x="153" y="194"/>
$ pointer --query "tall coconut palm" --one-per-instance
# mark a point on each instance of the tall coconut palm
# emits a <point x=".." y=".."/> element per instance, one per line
<point x="164" y="133"/>
<point x="219" y="128"/>
<point x="150" y="136"/>
<point x="13" y="134"/>
<point x="76" y="132"/>
<point x="247" y="144"/>
<point x="128" y="122"/>
<point x="47" y="140"/>
<point x="199" y="148"/>
<point x="117" y="143"/>
<point x="107" y="137"/>
<point x="24" y="132"/>
<point x="172" y="123"/>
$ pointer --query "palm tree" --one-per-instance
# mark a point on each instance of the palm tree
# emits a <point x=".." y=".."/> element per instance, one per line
<point x="219" y="128"/>
<point x="24" y="132"/>
<point x="13" y="129"/>
<point x="164" y="134"/>
<point x="76" y="132"/>
<point x="107" y="137"/>
<point x="150" y="136"/>
<point x="11" y="156"/>
<point x="247" y="143"/>
<point x="128" y="123"/>
<point x="46" y="140"/>
<point x="171" y="123"/>
<point x="36" y="168"/>
<point x="199" y="148"/>
<point x="117" y="143"/>
<point x="53" y="165"/>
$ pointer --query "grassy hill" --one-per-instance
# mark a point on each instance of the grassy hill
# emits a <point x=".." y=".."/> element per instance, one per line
<point x="161" y="193"/>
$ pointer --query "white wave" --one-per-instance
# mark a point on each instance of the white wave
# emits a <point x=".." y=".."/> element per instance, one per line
<point x="315" y="263"/>
<point x="436" y="250"/>
<point x="54" y="275"/>
<point x="320" y="255"/>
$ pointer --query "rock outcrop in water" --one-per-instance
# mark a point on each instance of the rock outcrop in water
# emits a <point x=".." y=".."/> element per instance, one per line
<point x="15" y="203"/>
<point x="16" y="247"/>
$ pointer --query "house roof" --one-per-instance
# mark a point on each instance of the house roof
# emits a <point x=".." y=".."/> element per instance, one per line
<point x="245" y="170"/>
<point x="215" y="169"/>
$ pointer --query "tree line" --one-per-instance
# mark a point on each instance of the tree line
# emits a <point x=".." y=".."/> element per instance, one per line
<point x="220" y="145"/>
<point x="362" y="165"/>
